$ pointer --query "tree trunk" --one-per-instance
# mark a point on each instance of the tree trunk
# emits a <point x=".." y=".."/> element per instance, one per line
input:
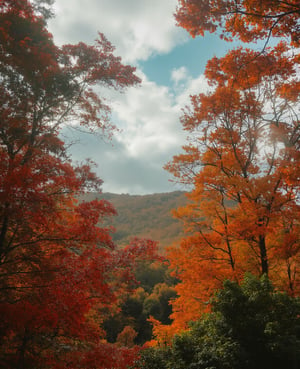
<point x="263" y="255"/>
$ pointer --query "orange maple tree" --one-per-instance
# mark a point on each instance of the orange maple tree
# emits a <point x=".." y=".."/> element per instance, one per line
<point x="249" y="20"/>
<point x="59" y="269"/>
<point x="242" y="159"/>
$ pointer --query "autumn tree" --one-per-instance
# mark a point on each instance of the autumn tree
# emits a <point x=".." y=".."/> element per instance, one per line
<point x="59" y="269"/>
<point x="43" y="87"/>
<point x="248" y="20"/>
<point x="152" y="293"/>
<point x="242" y="158"/>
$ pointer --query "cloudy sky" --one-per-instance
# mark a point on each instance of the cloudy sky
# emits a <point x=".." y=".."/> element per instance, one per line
<point x="171" y="66"/>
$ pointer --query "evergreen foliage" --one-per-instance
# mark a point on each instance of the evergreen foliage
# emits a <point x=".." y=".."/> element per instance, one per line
<point x="251" y="326"/>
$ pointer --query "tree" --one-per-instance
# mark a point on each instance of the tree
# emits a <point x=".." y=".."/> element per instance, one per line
<point x="59" y="317"/>
<point x="57" y="84"/>
<point x="59" y="269"/>
<point x="242" y="162"/>
<point x="127" y="336"/>
<point x="150" y="298"/>
<point x="242" y="158"/>
<point x="249" y="20"/>
<point x="251" y="326"/>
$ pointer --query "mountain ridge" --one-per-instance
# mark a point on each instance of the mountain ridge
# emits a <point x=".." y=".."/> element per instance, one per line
<point x="145" y="216"/>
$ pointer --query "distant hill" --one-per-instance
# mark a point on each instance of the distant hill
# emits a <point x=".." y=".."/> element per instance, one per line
<point x="146" y="216"/>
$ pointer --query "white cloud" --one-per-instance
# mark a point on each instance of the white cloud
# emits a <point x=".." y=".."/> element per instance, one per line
<point x="149" y="114"/>
<point x="179" y="74"/>
<point x="151" y="135"/>
<point x="151" y="117"/>
<point x="185" y="86"/>
<point x="192" y="86"/>
<point x="138" y="28"/>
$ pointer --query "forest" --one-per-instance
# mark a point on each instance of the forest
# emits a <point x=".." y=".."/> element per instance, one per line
<point x="145" y="216"/>
<point x="78" y="291"/>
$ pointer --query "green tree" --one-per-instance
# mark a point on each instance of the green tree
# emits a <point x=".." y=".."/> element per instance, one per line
<point x="154" y="290"/>
<point x="251" y="326"/>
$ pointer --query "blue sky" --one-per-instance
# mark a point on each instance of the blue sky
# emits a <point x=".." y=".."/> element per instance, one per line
<point x="193" y="54"/>
<point x="171" y="65"/>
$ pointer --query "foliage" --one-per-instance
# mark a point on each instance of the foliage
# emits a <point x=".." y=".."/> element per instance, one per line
<point x="126" y="337"/>
<point x="145" y="216"/>
<point x="154" y="358"/>
<point x="59" y="269"/>
<point x="242" y="159"/>
<point x="152" y="297"/>
<point x="148" y="275"/>
<point x="248" y="19"/>
<point x="251" y="326"/>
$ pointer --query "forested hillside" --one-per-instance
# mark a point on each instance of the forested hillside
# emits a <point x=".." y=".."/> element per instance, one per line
<point x="147" y="216"/>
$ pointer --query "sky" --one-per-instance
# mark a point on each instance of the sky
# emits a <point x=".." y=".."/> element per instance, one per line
<point x="170" y="64"/>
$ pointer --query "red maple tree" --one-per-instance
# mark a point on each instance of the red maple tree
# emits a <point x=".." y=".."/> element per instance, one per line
<point x="249" y="20"/>
<point x="59" y="269"/>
